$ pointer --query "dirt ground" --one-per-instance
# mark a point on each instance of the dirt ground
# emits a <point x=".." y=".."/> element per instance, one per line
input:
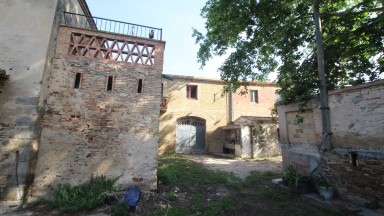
<point x="250" y="201"/>
<point x="241" y="168"/>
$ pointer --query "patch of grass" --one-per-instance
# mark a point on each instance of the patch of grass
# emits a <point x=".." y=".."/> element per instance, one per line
<point x="257" y="176"/>
<point x="173" y="169"/>
<point x="171" y="211"/>
<point x="198" y="203"/>
<point x="81" y="197"/>
<point x="276" y="194"/>
<point x="120" y="209"/>
<point x="171" y="195"/>
<point x="225" y="205"/>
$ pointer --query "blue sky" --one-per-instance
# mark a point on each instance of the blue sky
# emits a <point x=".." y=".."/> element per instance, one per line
<point x="176" y="18"/>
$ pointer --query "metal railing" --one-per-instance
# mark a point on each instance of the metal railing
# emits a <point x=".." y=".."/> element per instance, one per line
<point x="112" y="26"/>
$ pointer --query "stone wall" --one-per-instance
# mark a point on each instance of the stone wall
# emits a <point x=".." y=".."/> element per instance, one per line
<point x="26" y="29"/>
<point x="90" y="131"/>
<point x="355" y="164"/>
<point x="210" y="106"/>
<point x="28" y="46"/>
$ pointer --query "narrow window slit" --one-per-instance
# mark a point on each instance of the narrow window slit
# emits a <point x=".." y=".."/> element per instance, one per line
<point x="77" y="80"/>
<point x="353" y="157"/>
<point x="140" y="86"/>
<point x="110" y="83"/>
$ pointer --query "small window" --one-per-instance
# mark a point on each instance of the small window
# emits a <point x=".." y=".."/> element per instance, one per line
<point x="162" y="89"/>
<point x="254" y="95"/>
<point x="110" y="83"/>
<point x="78" y="80"/>
<point x="140" y="86"/>
<point x="192" y="91"/>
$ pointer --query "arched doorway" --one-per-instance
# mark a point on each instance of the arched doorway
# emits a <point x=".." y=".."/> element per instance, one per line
<point x="190" y="135"/>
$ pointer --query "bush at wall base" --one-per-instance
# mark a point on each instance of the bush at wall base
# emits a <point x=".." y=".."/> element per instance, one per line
<point x="295" y="181"/>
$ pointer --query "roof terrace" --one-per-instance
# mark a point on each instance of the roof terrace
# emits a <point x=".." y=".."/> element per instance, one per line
<point x="112" y="26"/>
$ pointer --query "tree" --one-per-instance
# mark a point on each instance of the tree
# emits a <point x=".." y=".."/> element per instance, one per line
<point x="268" y="35"/>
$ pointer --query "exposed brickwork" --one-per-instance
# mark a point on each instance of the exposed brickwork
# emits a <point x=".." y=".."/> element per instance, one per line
<point x="266" y="100"/>
<point x="91" y="131"/>
<point x="209" y="106"/>
<point x="363" y="182"/>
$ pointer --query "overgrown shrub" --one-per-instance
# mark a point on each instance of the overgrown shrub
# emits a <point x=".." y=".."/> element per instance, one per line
<point x="120" y="209"/>
<point x="81" y="197"/>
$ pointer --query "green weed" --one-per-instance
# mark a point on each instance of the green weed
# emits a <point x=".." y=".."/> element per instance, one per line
<point x="120" y="209"/>
<point x="173" y="169"/>
<point x="257" y="176"/>
<point x="81" y="197"/>
<point x="171" y="211"/>
<point x="276" y="194"/>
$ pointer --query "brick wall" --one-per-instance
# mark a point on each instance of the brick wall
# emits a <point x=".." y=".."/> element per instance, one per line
<point x="209" y="106"/>
<point x="90" y="131"/>
<point x="266" y="99"/>
<point x="357" y="124"/>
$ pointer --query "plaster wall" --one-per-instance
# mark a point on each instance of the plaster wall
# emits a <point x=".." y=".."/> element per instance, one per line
<point x="243" y="106"/>
<point x="26" y="29"/>
<point x="27" y="45"/>
<point x="355" y="162"/>
<point x="211" y="106"/>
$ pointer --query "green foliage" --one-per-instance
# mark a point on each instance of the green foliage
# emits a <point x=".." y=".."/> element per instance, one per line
<point x="292" y="175"/>
<point x="322" y="181"/>
<point x="220" y="207"/>
<point x="171" y="195"/>
<point x="81" y="197"/>
<point x="276" y="194"/>
<point x="266" y="36"/>
<point x="171" y="211"/>
<point x="257" y="176"/>
<point x="120" y="209"/>
<point x="173" y="169"/>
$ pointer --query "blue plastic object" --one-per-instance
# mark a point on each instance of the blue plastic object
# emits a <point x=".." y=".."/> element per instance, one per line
<point x="131" y="197"/>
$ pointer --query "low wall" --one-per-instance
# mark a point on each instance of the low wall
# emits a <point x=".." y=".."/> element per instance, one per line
<point x="355" y="163"/>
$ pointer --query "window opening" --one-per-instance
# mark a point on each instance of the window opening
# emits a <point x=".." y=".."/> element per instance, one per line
<point x="110" y="83"/>
<point x="77" y="80"/>
<point x="353" y="156"/>
<point x="162" y="89"/>
<point x="192" y="91"/>
<point x="140" y="86"/>
<point x="254" y="96"/>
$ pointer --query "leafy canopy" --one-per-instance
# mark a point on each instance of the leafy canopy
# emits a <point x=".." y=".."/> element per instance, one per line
<point x="264" y="36"/>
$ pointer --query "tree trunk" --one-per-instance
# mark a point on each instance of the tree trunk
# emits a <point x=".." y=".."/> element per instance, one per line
<point x="326" y="125"/>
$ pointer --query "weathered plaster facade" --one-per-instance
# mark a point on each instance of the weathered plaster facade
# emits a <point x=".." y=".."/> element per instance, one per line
<point x="210" y="106"/>
<point x="356" y="162"/>
<point x="27" y="44"/>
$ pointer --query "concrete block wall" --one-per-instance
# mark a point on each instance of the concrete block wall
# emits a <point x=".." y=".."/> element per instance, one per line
<point x="355" y="164"/>
<point x="90" y="131"/>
